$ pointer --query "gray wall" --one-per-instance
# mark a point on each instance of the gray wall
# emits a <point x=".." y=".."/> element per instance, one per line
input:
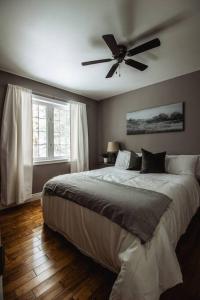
<point x="112" y="116"/>
<point x="43" y="172"/>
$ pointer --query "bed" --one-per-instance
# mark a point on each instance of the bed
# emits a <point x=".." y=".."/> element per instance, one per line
<point x="145" y="270"/>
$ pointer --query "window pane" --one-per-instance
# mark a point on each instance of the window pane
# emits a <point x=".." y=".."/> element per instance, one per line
<point x="63" y="150"/>
<point x="35" y="138"/>
<point x="42" y="151"/>
<point x="63" y="139"/>
<point x="68" y="151"/>
<point x="57" y="150"/>
<point x="35" y="124"/>
<point x="56" y="126"/>
<point x="56" y="138"/>
<point x="61" y="132"/>
<point x="42" y="124"/>
<point x="63" y="125"/>
<point x="42" y="111"/>
<point x="35" y="151"/>
<point x="51" y="130"/>
<point x="56" y="114"/>
<point x="39" y="131"/>
<point x="42" y="137"/>
<point x="35" y="110"/>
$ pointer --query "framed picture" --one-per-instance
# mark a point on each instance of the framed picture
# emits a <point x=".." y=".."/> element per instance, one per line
<point x="165" y="118"/>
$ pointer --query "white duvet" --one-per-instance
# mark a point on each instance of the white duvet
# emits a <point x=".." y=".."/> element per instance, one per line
<point x="144" y="270"/>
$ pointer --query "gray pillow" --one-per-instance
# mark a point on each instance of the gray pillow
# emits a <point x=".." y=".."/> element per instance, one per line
<point x="153" y="162"/>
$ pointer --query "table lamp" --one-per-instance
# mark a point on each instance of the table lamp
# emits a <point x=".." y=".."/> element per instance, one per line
<point x="112" y="150"/>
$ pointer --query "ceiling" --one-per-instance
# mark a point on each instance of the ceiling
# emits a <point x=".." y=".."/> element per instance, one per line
<point x="47" y="41"/>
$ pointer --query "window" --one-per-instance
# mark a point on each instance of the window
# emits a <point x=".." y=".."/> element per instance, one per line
<point x="51" y="130"/>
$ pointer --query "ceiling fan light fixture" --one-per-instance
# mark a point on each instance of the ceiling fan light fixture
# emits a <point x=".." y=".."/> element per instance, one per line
<point x="119" y="53"/>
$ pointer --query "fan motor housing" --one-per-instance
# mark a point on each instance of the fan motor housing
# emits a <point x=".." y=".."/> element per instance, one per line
<point x="121" y="53"/>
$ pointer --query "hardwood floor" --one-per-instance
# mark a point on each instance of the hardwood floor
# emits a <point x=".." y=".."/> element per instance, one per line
<point x="41" y="264"/>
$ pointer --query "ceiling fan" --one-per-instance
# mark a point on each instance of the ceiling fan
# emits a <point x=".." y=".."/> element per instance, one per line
<point x="120" y="52"/>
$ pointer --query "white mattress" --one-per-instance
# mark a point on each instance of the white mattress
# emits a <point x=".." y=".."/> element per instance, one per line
<point x="144" y="271"/>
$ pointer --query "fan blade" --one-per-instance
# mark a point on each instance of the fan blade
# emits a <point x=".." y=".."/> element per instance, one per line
<point x="136" y="64"/>
<point x="161" y="27"/>
<point x="111" y="43"/>
<point x="112" y="70"/>
<point x="144" y="47"/>
<point x="99" y="61"/>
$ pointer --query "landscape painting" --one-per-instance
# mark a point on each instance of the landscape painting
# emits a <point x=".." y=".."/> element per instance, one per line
<point x="166" y="118"/>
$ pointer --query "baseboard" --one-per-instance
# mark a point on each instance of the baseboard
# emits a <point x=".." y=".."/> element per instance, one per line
<point x="34" y="197"/>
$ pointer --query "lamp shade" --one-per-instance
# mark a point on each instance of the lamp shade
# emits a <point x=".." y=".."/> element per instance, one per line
<point x="113" y="147"/>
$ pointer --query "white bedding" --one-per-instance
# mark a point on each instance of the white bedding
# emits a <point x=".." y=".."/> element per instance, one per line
<point x="144" y="271"/>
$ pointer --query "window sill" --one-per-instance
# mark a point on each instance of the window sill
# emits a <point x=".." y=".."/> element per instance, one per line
<point x="49" y="162"/>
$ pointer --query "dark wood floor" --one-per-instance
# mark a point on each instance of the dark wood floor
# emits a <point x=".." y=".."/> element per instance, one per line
<point x="40" y="264"/>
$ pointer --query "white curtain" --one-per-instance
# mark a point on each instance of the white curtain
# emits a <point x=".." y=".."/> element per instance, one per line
<point x="16" y="146"/>
<point x="79" y="138"/>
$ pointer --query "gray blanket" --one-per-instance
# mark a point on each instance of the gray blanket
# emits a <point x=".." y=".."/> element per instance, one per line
<point x="134" y="209"/>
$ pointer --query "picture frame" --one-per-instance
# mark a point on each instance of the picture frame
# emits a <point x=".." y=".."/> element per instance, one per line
<point x="158" y="119"/>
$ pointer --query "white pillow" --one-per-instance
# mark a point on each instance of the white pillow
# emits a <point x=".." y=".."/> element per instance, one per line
<point x="123" y="159"/>
<point x="181" y="164"/>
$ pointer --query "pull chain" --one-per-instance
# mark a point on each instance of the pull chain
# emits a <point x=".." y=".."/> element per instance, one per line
<point x="118" y="71"/>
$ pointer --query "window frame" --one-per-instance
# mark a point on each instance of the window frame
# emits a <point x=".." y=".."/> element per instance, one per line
<point x="50" y="104"/>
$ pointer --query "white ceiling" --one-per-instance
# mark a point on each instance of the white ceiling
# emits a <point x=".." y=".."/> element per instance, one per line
<point x="47" y="40"/>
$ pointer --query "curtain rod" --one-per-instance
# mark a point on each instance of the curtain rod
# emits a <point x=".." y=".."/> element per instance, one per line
<point x="35" y="92"/>
<point x="49" y="96"/>
<point x="44" y="95"/>
<point x="55" y="98"/>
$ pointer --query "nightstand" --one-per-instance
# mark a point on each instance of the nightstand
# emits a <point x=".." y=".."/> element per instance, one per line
<point x="100" y="165"/>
